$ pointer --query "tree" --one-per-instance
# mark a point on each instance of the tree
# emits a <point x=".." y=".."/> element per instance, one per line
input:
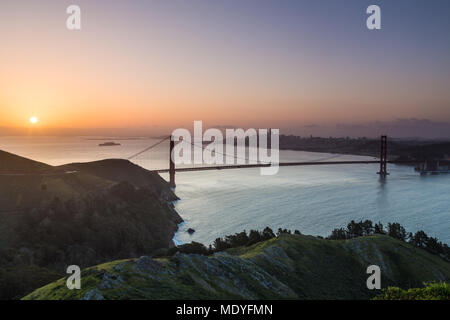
<point x="434" y="246"/>
<point x="367" y="228"/>
<point x="220" y="245"/>
<point x="267" y="234"/>
<point x="419" y="239"/>
<point x="379" y="228"/>
<point x="338" y="234"/>
<point x="395" y="230"/>
<point x="253" y="237"/>
<point x="237" y="240"/>
<point x="193" y="248"/>
<point x="283" y="231"/>
<point x="355" y="229"/>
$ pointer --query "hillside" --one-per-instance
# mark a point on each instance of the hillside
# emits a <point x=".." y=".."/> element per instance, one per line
<point x="397" y="149"/>
<point x="84" y="214"/>
<point x="26" y="184"/>
<point x="285" y="267"/>
<point x="27" y="191"/>
<point x="118" y="170"/>
<point x="12" y="163"/>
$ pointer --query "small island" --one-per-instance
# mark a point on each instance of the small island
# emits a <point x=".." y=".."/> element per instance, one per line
<point x="109" y="144"/>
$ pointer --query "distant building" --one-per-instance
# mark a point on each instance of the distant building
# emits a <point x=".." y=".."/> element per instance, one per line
<point x="434" y="167"/>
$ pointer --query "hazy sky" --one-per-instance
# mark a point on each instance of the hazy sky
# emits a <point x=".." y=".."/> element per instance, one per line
<point x="250" y="63"/>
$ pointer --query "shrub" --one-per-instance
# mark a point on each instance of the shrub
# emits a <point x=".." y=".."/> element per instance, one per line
<point x="431" y="291"/>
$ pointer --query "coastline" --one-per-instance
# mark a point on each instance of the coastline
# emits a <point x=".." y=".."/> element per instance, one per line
<point x="174" y="239"/>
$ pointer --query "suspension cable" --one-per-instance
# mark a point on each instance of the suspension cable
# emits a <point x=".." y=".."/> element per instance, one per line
<point x="226" y="154"/>
<point x="148" y="148"/>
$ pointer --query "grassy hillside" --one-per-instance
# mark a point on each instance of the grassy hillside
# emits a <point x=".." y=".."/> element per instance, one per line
<point x="286" y="267"/>
<point x="118" y="170"/>
<point x="26" y="184"/>
<point x="22" y="192"/>
<point x="13" y="163"/>
<point x="84" y="214"/>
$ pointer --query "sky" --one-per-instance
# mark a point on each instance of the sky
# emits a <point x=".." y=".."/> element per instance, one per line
<point x="289" y="64"/>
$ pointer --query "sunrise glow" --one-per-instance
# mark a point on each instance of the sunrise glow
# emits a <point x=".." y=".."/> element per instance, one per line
<point x="34" y="120"/>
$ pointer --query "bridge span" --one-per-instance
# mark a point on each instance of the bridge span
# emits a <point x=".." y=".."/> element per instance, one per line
<point x="282" y="164"/>
<point x="383" y="161"/>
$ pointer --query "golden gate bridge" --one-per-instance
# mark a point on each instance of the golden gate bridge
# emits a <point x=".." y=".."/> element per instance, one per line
<point x="383" y="161"/>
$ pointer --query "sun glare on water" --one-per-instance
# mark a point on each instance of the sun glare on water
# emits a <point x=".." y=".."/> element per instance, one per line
<point x="34" y="120"/>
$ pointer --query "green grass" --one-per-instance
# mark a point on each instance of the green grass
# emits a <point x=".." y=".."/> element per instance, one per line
<point x="431" y="291"/>
<point x="286" y="267"/>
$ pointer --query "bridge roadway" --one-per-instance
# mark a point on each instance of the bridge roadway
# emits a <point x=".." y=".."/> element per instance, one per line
<point x="281" y="164"/>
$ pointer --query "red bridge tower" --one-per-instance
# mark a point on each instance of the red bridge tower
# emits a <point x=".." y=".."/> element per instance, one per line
<point x="383" y="157"/>
<point x="171" y="164"/>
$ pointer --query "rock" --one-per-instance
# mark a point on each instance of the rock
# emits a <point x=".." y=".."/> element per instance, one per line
<point x="190" y="231"/>
<point x="147" y="264"/>
<point x="110" y="281"/>
<point x="119" y="267"/>
<point x="93" y="294"/>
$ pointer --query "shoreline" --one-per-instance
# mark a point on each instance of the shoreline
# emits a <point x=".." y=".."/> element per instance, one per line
<point x="174" y="239"/>
<point x="178" y="242"/>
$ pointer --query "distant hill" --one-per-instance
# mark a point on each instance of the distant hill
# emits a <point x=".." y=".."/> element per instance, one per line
<point x="11" y="163"/>
<point x="84" y="214"/>
<point x="27" y="191"/>
<point x="397" y="149"/>
<point x="26" y="183"/>
<point x="285" y="267"/>
<point x="118" y="170"/>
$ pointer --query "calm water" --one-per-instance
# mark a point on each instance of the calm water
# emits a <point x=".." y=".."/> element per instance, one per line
<point x="312" y="199"/>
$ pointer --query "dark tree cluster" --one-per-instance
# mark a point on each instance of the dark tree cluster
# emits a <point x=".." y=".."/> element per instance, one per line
<point x="122" y="222"/>
<point x="94" y="230"/>
<point x="395" y="230"/>
<point x="232" y="241"/>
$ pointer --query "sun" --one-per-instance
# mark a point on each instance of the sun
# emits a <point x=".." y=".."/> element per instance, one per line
<point x="34" y="120"/>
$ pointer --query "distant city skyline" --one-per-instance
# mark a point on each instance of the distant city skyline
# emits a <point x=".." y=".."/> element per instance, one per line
<point x="305" y="67"/>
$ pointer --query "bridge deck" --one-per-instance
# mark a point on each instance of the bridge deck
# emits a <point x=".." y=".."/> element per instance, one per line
<point x="282" y="164"/>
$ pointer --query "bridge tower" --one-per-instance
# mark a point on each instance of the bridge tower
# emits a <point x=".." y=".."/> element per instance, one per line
<point x="171" y="164"/>
<point x="383" y="157"/>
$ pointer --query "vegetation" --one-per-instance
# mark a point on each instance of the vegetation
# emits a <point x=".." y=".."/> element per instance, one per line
<point x="366" y="228"/>
<point x="120" y="223"/>
<point x="288" y="266"/>
<point x="18" y="279"/>
<point x="52" y="217"/>
<point x="353" y="230"/>
<point x="118" y="170"/>
<point x="228" y="242"/>
<point x="431" y="291"/>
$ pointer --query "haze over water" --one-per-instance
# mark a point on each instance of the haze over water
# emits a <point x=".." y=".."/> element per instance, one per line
<point x="314" y="200"/>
